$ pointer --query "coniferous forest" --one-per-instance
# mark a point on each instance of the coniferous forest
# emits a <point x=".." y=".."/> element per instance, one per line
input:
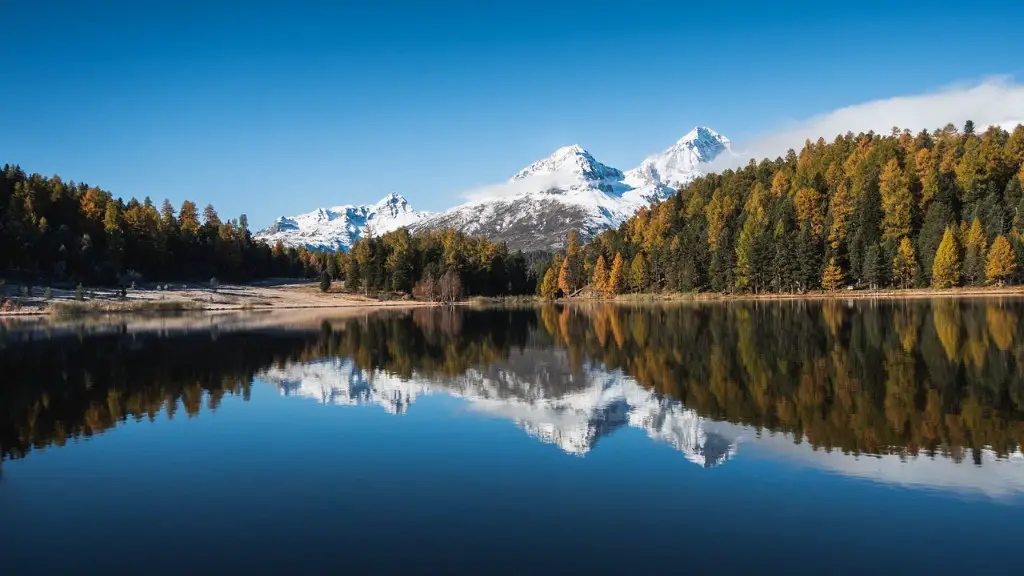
<point x="939" y="208"/>
<point x="53" y="231"/>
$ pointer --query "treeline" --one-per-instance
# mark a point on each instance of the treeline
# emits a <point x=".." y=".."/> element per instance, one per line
<point x="56" y="231"/>
<point x="435" y="265"/>
<point x="53" y="231"/>
<point x="940" y="208"/>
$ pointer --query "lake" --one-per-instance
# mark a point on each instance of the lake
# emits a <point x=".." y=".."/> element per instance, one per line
<point x="777" y="437"/>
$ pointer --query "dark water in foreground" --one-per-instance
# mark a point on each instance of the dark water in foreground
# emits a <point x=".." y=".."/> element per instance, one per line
<point x="771" y="438"/>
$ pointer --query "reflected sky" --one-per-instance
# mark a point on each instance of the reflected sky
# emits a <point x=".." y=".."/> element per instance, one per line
<point x="606" y="440"/>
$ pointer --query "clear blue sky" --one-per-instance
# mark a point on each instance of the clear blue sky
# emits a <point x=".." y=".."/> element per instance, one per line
<point x="276" y="108"/>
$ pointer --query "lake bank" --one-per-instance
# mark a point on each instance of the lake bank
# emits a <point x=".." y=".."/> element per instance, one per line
<point x="179" y="297"/>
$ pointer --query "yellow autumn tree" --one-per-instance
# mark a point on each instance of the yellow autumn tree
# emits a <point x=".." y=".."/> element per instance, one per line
<point x="616" y="277"/>
<point x="946" y="268"/>
<point x="564" y="278"/>
<point x="1002" y="263"/>
<point x="549" y="286"/>
<point x="807" y="202"/>
<point x="832" y="278"/>
<point x="600" y="278"/>
<point x="842" y="210"/>
<point x="896" y="198"/>
<point x="904" y="264"/>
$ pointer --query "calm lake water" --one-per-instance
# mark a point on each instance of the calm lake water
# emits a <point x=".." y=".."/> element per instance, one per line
<point x="835" y="437"/>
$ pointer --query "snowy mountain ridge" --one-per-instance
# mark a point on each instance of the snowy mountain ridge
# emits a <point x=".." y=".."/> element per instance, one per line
<point x="339" y="227"/>
<point x="535" y="209"/>
<point x="575" y="420"/>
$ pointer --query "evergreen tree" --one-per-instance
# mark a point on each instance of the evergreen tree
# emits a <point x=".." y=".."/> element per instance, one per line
<point x="325" y="281"/>
<point x="946" y="268"/>
<point x="638" y="274"/>
<point x="352" y="277"/>
<point x="975" y="248"/>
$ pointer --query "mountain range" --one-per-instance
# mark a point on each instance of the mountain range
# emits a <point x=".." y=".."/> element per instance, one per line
<point x="535" y="209"/>
<point x="536" y="389"/>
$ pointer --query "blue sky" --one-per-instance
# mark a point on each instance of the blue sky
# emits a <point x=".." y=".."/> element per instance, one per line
<point x="273" y="108"/>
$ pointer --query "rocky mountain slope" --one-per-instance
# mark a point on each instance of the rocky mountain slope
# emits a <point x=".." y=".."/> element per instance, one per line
<point x="535" y="209"/>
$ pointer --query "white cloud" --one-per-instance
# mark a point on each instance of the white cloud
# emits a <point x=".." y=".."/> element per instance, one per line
<point x="513" y="188"/>
<point x="994" y="101"/>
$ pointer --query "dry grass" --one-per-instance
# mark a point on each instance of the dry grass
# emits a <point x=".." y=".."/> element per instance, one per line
<point x="78" y="308"/>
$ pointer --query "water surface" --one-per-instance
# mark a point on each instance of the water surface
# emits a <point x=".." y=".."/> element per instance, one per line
<point x="826" y="437"/>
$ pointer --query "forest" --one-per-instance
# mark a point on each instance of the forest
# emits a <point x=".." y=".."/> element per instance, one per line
<point x="53" y="231"/>
<point x="938" y="208"/>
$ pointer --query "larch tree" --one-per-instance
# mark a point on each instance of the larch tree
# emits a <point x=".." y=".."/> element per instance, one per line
<point x="832" y="278"/>
<point x="549" y="286"/>
<point x="904" y="264"/>
<point x="896" y="200"/>
<point x="616" y="277"/>
<point x="946" y="268"/>
<point x="1002" y="263"/>
<point x="600" y="277"/>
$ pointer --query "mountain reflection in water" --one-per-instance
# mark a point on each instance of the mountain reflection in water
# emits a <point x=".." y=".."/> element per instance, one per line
<point x="922" y="393"/>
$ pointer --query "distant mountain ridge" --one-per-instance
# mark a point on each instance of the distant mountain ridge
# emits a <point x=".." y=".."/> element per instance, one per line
<point x="569" y="189"/>
<point x="534" y="389"/>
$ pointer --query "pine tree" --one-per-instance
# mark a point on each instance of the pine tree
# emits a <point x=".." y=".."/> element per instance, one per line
<point x="599" y="280"/>
<point x="1002" y="264"/>
<point x="904" y="265"/>
<point x="873" y="266"/>
<point x="975" y="248"/>
<point x="325" y="281"/>
<point x="616" y="277"/>
<point x="352" y="279"/>
<point x="832" y="278"/>
<point x="946" y="268"/>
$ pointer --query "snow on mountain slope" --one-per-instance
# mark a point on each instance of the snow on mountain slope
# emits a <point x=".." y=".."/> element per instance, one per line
<point x="535" y="389"/>
<point x="680" y="164"/>
<point x="571" y="190"/>
<point x="339" y="227"/>
<point x="534" y="210"/>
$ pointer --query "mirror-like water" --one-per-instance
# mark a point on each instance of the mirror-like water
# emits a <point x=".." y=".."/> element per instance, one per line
<point x="795" y="437"/>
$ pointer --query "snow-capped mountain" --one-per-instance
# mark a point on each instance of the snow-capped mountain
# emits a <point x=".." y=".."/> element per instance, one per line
<point x="680" y="163"/>
<point x="571" y="190"/>
<point x="339" y="227"/>
<point x="535" y="209"/>
<point x="535" y="389"/>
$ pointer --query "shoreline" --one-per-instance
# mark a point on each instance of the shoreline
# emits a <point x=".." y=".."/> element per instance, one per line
<point x="297" y="296"/>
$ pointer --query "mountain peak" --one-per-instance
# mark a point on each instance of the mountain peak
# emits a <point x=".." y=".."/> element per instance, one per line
<point x="339" y="227"/>
<point x="571" y="161"/>
<point x="680" y="163"/>
<point x="702" y="133"/>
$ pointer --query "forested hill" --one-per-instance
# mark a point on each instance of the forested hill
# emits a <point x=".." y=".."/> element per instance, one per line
<point x="940" y="208"/>
<point x="53" y="231"/>
<point x="56" y="231"/>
